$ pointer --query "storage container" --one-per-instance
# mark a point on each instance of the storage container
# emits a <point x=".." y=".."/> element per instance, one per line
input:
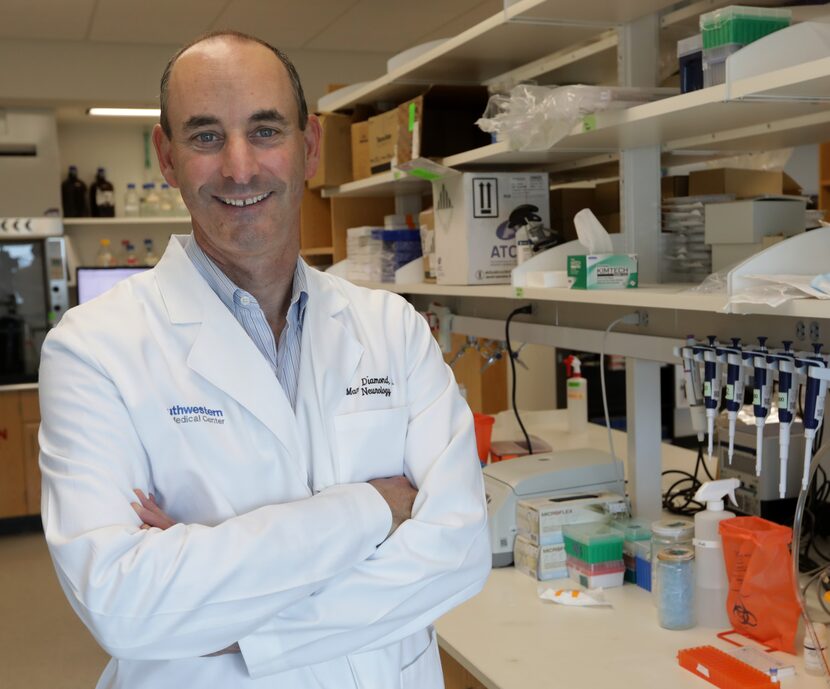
<point x="668" y="532"/>
<point x="642" y="560"/>
<point x="690" y="63"/>
<point x="593" y="543"/>
<point x="596" y="575"/>
<point x="741" y="25"/>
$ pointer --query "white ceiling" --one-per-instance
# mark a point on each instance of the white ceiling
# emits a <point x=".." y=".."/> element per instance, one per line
<point x="380" y="26"/>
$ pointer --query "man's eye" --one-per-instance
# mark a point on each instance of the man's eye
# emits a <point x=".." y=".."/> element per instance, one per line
<point x="266" y="132"/>
<point x="205" y="137"/>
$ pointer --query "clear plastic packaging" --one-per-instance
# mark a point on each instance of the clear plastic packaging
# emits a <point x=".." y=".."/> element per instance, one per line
<point x="534" y="118"/>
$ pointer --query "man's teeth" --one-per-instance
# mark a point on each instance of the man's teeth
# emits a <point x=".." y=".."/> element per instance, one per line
<point x="245" y="202"/>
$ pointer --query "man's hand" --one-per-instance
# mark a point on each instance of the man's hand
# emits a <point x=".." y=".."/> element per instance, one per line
<point x="150" y="513"/>
<point x="399" y="495"/>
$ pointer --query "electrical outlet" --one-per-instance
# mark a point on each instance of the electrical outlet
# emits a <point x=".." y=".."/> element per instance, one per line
<point x="815" y="331"/>
<point x="800" y="331"/>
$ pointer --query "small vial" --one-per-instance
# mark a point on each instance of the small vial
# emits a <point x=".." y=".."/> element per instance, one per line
<point x="813" y="662"/>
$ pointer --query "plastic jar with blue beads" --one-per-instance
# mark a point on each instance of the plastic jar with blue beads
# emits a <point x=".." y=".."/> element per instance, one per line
<point x="676" y="587"/>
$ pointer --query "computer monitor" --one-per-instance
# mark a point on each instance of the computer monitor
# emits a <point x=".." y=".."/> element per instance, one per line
<point x="94" y="281"/>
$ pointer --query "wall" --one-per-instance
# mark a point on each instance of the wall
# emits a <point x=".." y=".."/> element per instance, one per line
<point x="55" y="73"/>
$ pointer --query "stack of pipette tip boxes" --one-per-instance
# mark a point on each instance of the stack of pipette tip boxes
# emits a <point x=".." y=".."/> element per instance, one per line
<point x="594" y="555"/>
<point x="539" y="549"/>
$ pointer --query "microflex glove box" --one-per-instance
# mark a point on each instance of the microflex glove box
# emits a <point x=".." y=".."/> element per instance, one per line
<point x="476" y="219"/>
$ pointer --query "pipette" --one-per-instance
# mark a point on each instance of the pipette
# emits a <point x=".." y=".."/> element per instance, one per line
<point x="815" y="393"/>
<point x="734" y="387"/>
<point x="761" y="397"/>
<point x="711" y="386"/>
<point x="787" y="396"/>
<point x="691" y="354"/>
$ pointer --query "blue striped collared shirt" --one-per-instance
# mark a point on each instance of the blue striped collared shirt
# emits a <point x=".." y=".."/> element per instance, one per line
<point x="284" y="357"/>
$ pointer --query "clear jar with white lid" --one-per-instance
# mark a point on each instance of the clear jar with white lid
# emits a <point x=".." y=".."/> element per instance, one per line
<point x="666" y="533"/>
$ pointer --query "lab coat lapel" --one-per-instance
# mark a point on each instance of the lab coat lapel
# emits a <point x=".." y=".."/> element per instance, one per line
<point x="330" y="356"/>
<point x="223" y="353"/>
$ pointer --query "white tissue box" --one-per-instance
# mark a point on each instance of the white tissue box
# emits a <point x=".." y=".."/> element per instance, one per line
<point x="603" y="271"/>
<point x="476" y="217"/>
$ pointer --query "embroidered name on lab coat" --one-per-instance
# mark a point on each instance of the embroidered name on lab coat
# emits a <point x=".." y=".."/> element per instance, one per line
<point x="186" y="414"/>
<point x="372" y="386"/>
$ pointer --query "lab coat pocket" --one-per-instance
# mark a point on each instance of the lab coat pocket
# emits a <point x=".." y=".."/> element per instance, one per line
<point x="370" y="444"/>
<point x="425" y="671"/>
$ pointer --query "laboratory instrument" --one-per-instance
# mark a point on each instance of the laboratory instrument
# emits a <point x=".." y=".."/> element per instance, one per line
<point x="711" y="386"/>
<point x="711" y="583"/>
<point x="691" y="355"/>
<point x="761" y="396"/>
<point x="787" y="396"/>
<point x="814" y="396"/>
<point x="734" y="388"/>
<point x="555" y="474"/>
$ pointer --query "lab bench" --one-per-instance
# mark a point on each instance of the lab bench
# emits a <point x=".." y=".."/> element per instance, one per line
<point x="508" y="638"/>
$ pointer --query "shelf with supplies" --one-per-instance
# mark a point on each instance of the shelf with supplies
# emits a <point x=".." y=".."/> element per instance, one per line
<point x="524" y="32"/>
<point x="389" y="183"/>
<point x="676" y="297"/>
<point x="107" y="222"/>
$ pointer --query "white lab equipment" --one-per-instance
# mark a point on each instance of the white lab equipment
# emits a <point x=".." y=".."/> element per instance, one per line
<point x="557" y="474"/>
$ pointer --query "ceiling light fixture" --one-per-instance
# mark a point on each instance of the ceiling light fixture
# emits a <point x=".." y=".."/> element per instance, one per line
<point x="123" y="112"/>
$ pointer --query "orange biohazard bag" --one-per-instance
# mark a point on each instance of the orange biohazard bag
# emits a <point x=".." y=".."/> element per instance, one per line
<point x="761" y="602"/>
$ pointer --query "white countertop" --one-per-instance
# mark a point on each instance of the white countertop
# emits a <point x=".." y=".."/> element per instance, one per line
<point x="510" y="639"/>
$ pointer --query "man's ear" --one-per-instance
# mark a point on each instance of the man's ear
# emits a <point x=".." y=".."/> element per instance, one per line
<point x="313" y="132"/>
<point x="163" y="153"/>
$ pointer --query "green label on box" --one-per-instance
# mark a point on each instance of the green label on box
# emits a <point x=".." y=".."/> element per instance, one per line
<point x="423" y="174"/>
<point x="603" y="271"/>
<point x="411" y="116"/>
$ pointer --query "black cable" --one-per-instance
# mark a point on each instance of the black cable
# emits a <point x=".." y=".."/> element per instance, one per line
<point x="527" y="310"/>
<point x="685" y="488"/>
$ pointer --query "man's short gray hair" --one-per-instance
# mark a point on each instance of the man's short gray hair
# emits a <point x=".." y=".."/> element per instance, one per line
<point x="294" y="77"/>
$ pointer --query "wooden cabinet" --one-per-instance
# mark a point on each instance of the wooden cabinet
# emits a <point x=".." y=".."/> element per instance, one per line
<point x="455" y="675"/>
<point x="19" y="472"/>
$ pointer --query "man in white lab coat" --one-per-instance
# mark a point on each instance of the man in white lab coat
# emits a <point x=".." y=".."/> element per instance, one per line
<point x="317" y="502"/>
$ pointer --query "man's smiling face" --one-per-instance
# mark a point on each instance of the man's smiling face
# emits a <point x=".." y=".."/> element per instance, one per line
<point x="236" y="150"/>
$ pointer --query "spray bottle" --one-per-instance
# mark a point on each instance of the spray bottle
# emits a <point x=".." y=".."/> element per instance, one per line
<point x="761" y="397"/>
<point x="711" y="583"/>
<point x="577" y="388"/>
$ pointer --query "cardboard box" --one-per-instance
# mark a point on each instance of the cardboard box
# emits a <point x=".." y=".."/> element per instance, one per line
<point x="565" y="203"/>
<point x="335" y="167"/>
<point x="607" y="198"/>
<point x="383" y="141"/>
<point x="725" y="256"/>
<point x="603" y="271"/>
<point x="426" y="221"/>
<point x="674" y="186"/>
<point x="476" y="216"/>
<point x="742" y="183"/>
<point x="441" y="122"/>
<point x="541" y="519"/>
<point x="747" y="222"/>
<point x="360" y="150"/>
<point x="540" y="562"/>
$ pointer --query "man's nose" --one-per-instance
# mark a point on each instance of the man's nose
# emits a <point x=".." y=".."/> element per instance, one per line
<point x="239" y="161"/>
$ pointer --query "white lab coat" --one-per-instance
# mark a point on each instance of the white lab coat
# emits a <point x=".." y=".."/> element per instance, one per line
<point x="293" y="573"/>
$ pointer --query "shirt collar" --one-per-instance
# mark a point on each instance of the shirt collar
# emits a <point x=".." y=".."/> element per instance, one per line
<point x="233" y="296"/>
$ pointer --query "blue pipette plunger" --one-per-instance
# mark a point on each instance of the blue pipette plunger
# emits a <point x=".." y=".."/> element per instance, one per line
<point x="761" y="398"/>
<point x="711" y="387"/>
<point x="814" y="396"/>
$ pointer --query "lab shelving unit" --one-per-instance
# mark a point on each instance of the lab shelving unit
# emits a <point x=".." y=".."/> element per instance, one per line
<point x="554" y="39"/>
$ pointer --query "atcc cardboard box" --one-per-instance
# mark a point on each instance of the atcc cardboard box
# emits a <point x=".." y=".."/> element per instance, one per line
<point x="476" y="218"/>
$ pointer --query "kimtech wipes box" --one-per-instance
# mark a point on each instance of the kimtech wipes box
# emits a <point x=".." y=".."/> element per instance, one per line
<point x="476" y="218"/>
<point x="603" y="271"/>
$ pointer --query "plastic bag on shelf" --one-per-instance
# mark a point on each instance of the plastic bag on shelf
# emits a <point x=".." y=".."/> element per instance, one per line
<point x="534" y="118"/>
